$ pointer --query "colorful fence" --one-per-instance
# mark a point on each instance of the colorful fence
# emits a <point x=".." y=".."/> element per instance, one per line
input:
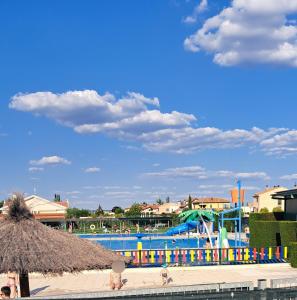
<point x="179" y="257"/>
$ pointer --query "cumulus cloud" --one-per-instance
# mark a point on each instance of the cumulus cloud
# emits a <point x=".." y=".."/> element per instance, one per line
<point x="189" y="139"/>
<point x="137" y="118"/>
<point x="198" y="172"/>
<point x="92" y="170"/>
<point x="50" y="160"/>
<point x="250" y="31"/>
<point x="89" y="112"/>
<point x="201" y="7"/>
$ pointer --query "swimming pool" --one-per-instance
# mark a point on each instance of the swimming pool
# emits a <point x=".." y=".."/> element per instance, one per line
<point x="150" y="242"/>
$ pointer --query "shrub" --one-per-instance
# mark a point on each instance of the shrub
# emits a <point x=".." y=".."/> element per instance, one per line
<point x="265" y="234"/>
<point x="288" y="232"/>
<point x="264" y="210"/>
<point x="277" y="209"/>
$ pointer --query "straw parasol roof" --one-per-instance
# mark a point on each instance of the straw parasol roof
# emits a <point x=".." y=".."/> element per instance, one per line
<point x="28" y="246"/>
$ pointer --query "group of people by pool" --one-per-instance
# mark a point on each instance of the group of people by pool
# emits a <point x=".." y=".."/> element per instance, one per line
<point x="116" y="282"/>
<point x="10" y="290"/>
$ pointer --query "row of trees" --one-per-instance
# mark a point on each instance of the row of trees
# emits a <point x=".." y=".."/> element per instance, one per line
<point x="135" y="210"/>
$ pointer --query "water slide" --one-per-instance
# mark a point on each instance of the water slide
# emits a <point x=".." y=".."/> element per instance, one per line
<point x="224" y="238"/>
<point x="184" y="227"/>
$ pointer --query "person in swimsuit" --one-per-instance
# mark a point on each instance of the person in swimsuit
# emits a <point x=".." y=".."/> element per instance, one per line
<point x="164" y="275"/>
<point x="12" y="282"/>
<point x="115" y="280"/>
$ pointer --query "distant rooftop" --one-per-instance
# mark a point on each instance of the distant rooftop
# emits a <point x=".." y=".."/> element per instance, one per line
<point x="210" y="200"/>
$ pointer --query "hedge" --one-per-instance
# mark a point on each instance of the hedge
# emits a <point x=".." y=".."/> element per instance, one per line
<point x="256" y="236"/>
<point x="293" y="255"/>
<point x="273" y="233"/>
<point x="288" y="232"/>
<point x="265" y="234"/>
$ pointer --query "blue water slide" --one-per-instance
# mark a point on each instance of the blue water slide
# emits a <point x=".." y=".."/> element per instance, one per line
<point x="184" y="227"/>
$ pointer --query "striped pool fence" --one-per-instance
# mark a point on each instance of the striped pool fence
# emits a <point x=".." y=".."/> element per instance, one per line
<point x="187" y="256"/>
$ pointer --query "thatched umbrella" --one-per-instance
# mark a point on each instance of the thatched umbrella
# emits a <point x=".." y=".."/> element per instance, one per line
<point x="28" y="246"/>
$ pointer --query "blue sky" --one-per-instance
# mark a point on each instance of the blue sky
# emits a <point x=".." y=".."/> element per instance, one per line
<point x="113" y="102"/>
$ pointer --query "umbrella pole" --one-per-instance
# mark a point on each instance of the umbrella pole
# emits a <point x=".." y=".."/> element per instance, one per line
<point x="24" y="284"/>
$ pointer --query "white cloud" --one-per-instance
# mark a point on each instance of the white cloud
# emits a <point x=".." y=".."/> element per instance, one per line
<point x="92" y="170"/>
<point x="131" y="119"/>
<point x="198" y="172"/>
<point x="281" y="144"/>
<point x="35" y="169"/>
<point x="289" y="177"/>
<point x="88" y="112"/>
<point x="192" y="171"/>
<point x="201" y="7"/>
<point x="188" y="139"/>
<point x="250" y="31"/>
<point x="50" y="160"/>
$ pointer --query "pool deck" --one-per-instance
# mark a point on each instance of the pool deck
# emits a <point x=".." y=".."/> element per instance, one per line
<point x="96" y="281"/>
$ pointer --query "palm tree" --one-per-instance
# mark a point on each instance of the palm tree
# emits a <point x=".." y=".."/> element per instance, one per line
<point x="202" y="215"/>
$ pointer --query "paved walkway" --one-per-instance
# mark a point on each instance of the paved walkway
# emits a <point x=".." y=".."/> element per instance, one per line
<point x="94" y="281"/>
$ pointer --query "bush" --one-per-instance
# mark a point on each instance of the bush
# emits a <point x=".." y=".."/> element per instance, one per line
<point x="277" y="209"/>
<point x="254" y="217"/>
<point x="293" y="255"/>
<point x="264" y="210"/>
<point x="265" y="234"/>
<point x="288" y="232"/>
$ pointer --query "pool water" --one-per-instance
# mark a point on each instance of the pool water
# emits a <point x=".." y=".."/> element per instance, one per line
<point x="155" y="243"/>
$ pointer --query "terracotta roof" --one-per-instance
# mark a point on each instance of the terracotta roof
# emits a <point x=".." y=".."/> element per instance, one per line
<point x="152" y="206"/>
<point x="63" y="203"/>
<point x="267" y="190"/>
<point x="210" y="200"/>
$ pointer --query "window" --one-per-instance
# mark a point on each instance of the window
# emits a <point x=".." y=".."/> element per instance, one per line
<point x="279" y="202"/>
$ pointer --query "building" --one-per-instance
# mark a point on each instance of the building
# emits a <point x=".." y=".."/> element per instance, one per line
<point x="211" y="203"/>
<point x="264" y="199"/>
<point x="150" y="209"/>
<point x="168" y="208"/>
<point x="44" y="210"/>
<point x="289" y="200"/>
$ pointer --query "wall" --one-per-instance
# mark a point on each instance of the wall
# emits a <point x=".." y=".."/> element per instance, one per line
<point x="291" y="209"/>
<point x="265" y="200"/>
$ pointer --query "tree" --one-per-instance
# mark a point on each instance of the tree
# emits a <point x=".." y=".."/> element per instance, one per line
<point x="277" y="209"/>
<point x="167" y="199"/>
<point x="57" y="198"/>
<point x="264" y="210"/>
<point x="1" y="203"/>
<point x="99" y="211"/>
<point x="77" y="213"/>
<point x="190" y="206"/>
<point x="117" y="210"/>
<point x="159" y="201"/>
<point x="134" y="211"/>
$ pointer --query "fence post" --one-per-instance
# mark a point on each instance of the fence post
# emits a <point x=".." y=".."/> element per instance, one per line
<point x="139" y="258"/>
<point x="220" y="255"/>
<point x="179" y="257"/>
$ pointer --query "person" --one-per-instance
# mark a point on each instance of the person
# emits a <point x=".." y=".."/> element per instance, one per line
<point x="5" y="292"/>
<point x="115" y="280"/>
<point x="164" y="275"/>
<point x="12" y="282"/>
<point x="70" y="228"/>
<point x="207" y="245"/>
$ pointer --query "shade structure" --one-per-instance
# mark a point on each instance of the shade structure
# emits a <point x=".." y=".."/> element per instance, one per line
<point x="194" y="215"/>
<point x="29" y="246"/>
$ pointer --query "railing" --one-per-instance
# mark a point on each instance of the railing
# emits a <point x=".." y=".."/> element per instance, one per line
<point x="192" y="257"/>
